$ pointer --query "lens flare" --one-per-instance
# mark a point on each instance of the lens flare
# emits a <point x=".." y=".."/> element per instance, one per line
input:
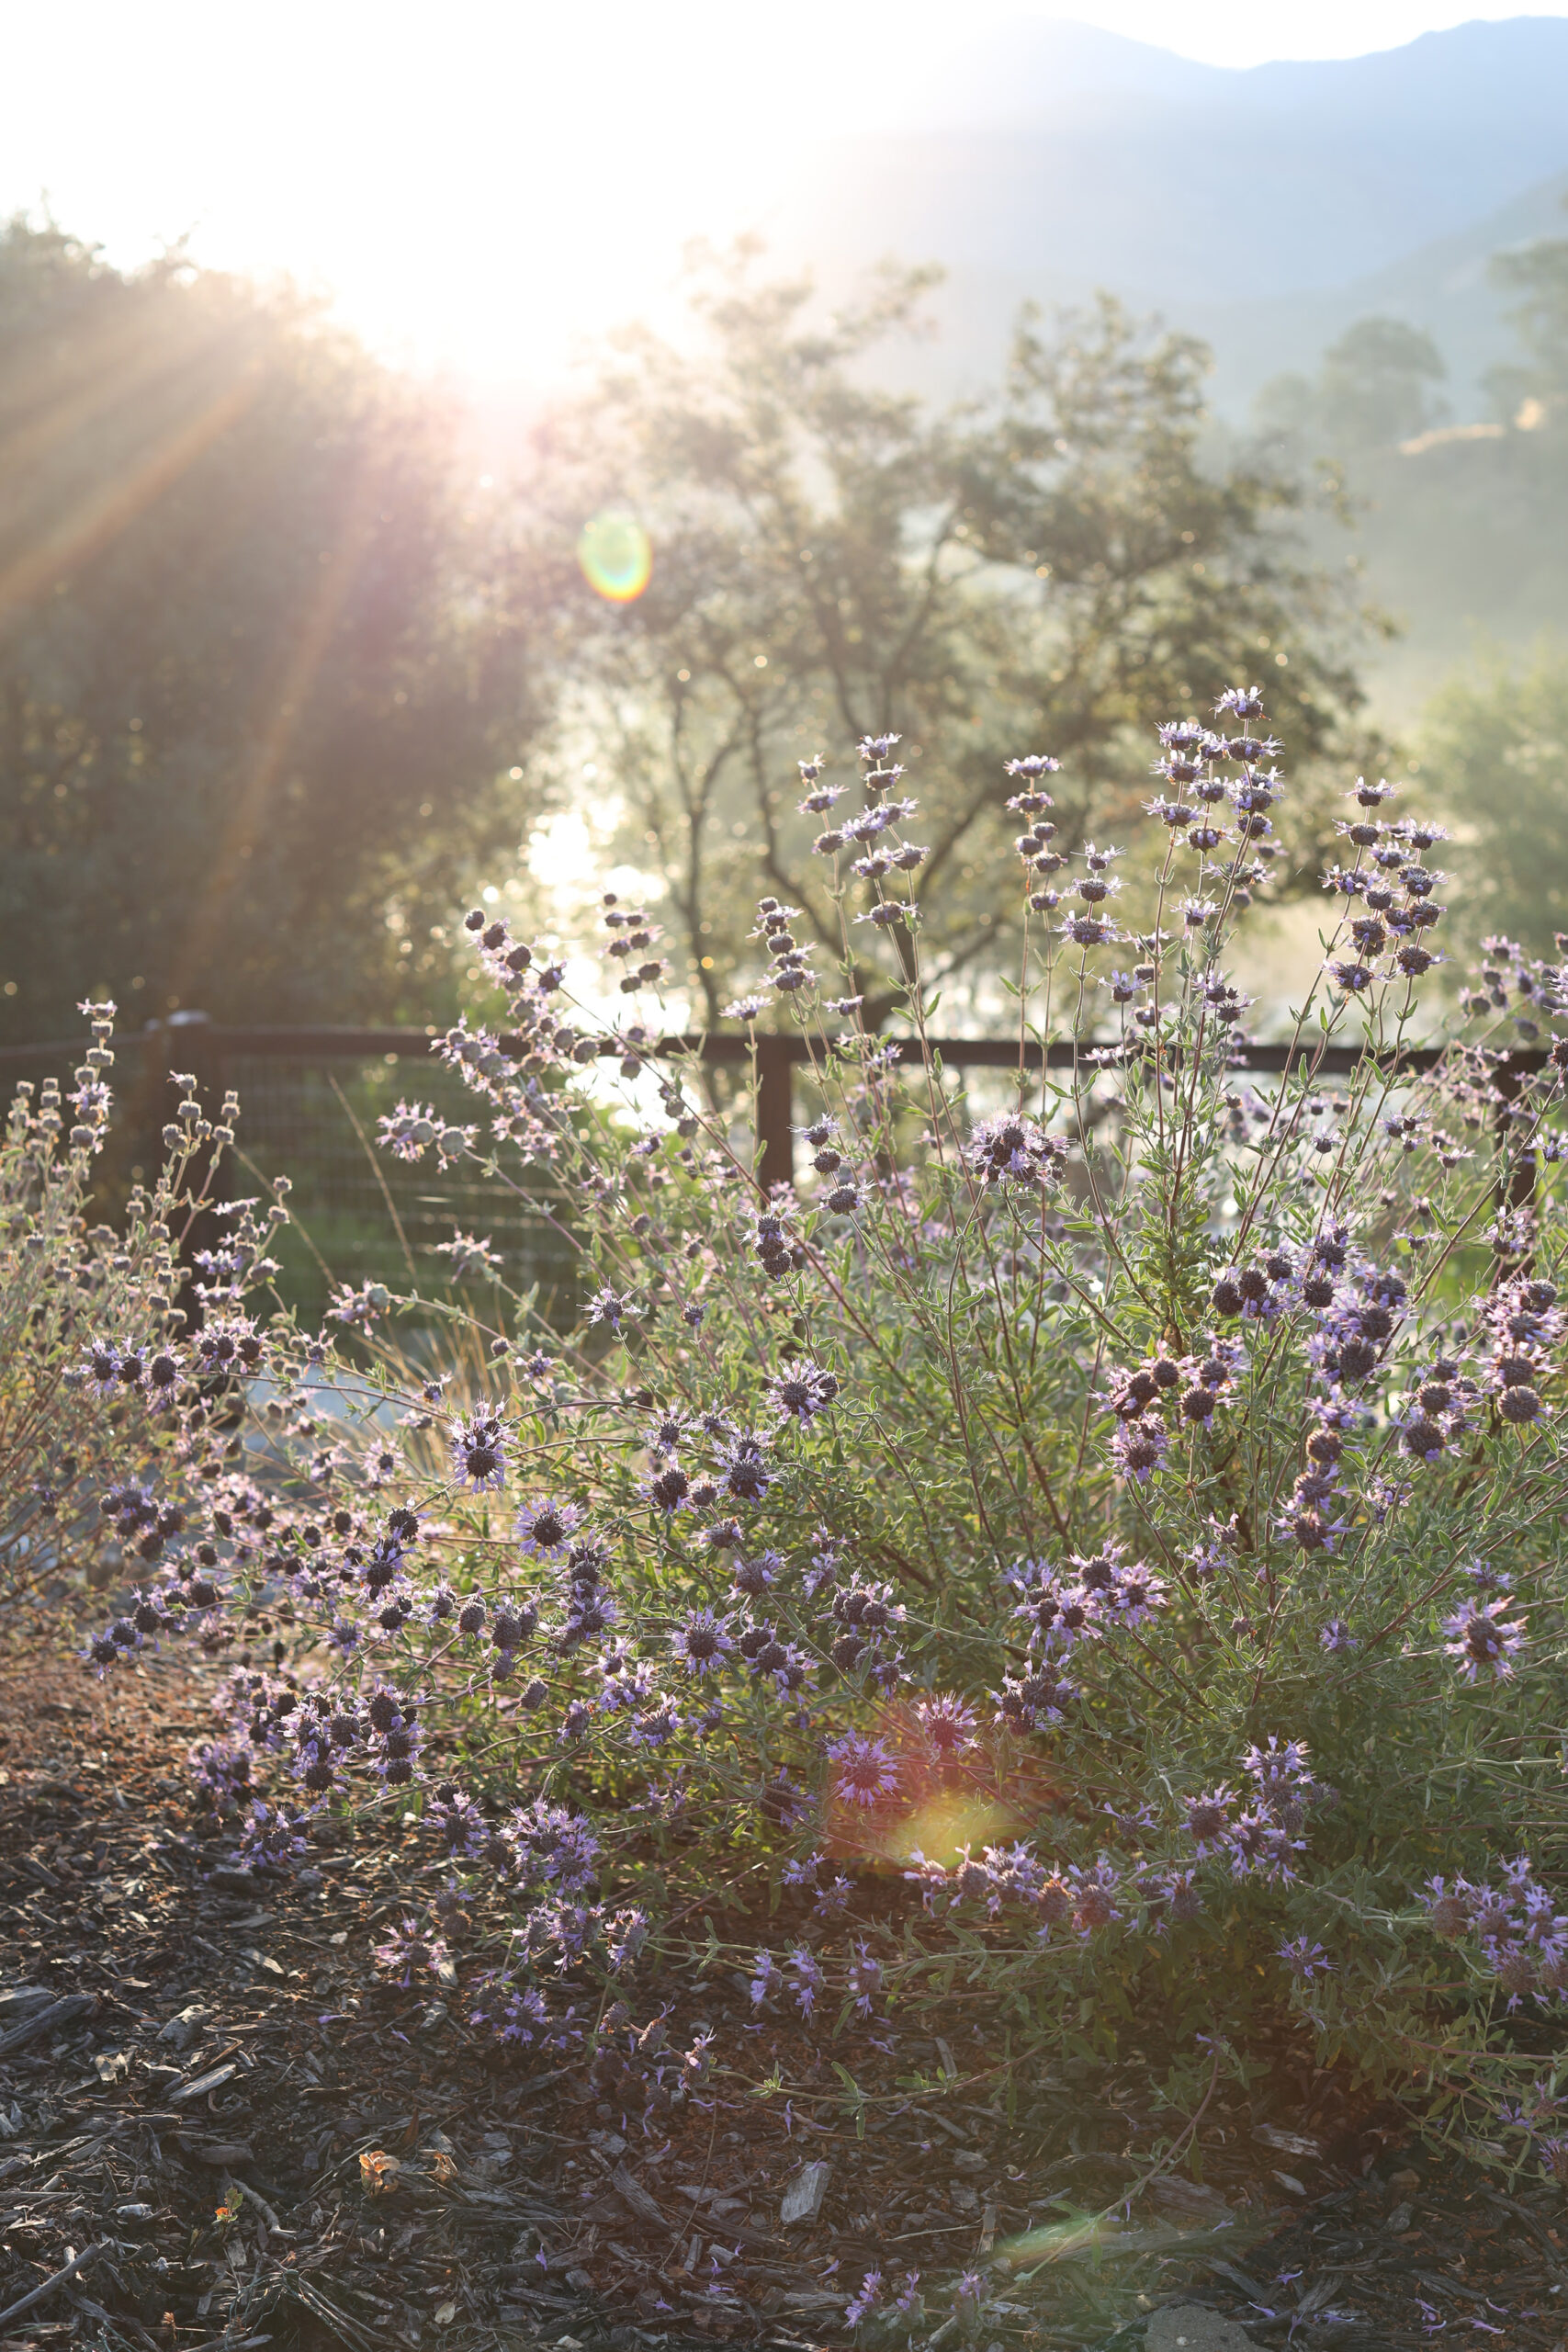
<point x="948" y="1791"/>
<point x="616" y="556"/>
<point x="951" y="1825"/>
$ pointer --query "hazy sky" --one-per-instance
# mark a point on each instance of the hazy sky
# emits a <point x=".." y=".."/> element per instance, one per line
<point x="479" y="179"/>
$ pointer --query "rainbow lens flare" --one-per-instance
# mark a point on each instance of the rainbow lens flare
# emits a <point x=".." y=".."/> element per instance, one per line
<point x="616" y="556"/>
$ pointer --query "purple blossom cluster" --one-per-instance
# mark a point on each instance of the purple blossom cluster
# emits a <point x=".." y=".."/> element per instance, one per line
<point x="1516" y="1930"/>
<point x="1190" y="1387"/>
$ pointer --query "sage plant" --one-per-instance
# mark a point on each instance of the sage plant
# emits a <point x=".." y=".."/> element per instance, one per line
<point x="1100" y="1537"/>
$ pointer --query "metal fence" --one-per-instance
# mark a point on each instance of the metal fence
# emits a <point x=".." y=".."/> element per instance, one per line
<point x="310" y="1101"/>
<point x="310" y="1098"/>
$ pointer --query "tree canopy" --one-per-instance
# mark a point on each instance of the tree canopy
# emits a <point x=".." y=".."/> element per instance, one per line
<point x="1051" y="569"/>
<point x="1495" y="752"/>
<point x="1374" y="389"/>
<point x="1538" y="273"/>
<point x="275" y="685"/>
<point x="259" y="687"/>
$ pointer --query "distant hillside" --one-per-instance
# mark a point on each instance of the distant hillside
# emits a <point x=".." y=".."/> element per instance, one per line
<point x="1268" y="211"/>
<point x="1442" y="287"/>
<point x="1264" y="208"/>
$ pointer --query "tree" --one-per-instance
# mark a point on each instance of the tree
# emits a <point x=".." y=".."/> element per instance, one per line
<point x="1375" y="386"/>
<point x="1051" y="568"/>
<point x="1372" y="391"/>
<point x="1539" y="273"/>
<point x="1496" y="753"/>
<point x="258" y="687"/>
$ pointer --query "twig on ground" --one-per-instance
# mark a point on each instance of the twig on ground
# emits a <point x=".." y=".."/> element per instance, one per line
<point x="48" y="2286"/>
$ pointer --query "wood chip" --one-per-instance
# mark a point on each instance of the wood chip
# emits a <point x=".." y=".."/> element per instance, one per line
<point x="47" y="2020"/>
<point x="223" y="2156"/>
<point x="637" y="2197"/>
<point x="802" y="2200"/>
<point x="212" y="2081"/>
<point x="1289" y="2143"/>
<point x="21" y="2000"/>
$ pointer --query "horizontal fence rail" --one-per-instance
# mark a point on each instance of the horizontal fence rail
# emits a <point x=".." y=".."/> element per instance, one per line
<point x="310" y="1097"/>
<point x="212" y="1050"/>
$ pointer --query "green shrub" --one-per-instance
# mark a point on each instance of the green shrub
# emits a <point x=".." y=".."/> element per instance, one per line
<point x="94" y="1400"/>
<point x="1100" y="1543"/>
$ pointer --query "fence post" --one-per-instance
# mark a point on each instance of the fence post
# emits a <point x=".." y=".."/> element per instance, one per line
<point x="1516" y="1168"/>
<point x="776" y="1126"/>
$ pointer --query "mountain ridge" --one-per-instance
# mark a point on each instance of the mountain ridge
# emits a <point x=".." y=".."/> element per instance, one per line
<point x="1262" y="203"/>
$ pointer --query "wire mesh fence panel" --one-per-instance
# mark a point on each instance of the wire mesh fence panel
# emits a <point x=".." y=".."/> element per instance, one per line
<point x="133" y="1148"/>
<point x="359" y="1214"/>
<point x="311" y="1099"/>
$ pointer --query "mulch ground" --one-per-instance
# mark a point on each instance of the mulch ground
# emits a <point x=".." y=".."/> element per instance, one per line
<point x="214" y="2110"/>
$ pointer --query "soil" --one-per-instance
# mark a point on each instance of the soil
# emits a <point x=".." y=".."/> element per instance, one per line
<point x="239" y="2135"/>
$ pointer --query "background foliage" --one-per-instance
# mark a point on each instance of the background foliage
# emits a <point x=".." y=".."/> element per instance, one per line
<point x="256" y="683"/>
<point x="1053" y="565"/>
<point x="278" y="681"/>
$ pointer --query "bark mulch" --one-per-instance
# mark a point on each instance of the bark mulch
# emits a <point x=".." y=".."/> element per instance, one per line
<point x="219" y="2130"/>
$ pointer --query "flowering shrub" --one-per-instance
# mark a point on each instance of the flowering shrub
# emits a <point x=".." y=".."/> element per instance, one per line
<point x="99" y="1407"/>
<point x="1101" y="1540"/>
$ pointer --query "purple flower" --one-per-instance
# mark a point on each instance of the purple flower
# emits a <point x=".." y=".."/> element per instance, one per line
<point x="1214" y="1551"/>
<point x="1304" y="1959"/>
<point x="1014" y="1149"/>
<point x="669" y="1432"/>
<point x="1280" y="1769"/>
<point x="625" y="1940"/>
<point x="461" y="1825"/>
<point x="656" y="1725"/>
<point x="395" y="1751"/>
<point x="220" y="1765"/>
<point x="1256" y="1843"/>
<point x="479" y="1452"/>
<point x="409" y="1952"/>
<point x="1176" y="1896"/>
<point x="864" y="1773"/>
<point x="1139" y="1448"/>
<point x="792" y="1672"/>
<point x="867" y="2297"/>
<point x="1136" y="1593"/>
<point x="808" y="1978"/>
<point x="409" y="1130"/>
<point x="1448" y="1909"/>
<point x="1482" y="1636"/>
<point x="865" y="1980"/>
<point x="513" y="2012"/>
<point x="1025" y="1701"/>
<point x="546" y="1528"/>
<point x="1094" y="1893"/>
<point x="702" y="1643"/>
<point x="1209" y="1817"/>
<point x="746" y="1469"/>
<point x="969" y="2297"/>
<point x="802" y="1390"/>
<point x="610" y="1305"/>
<point x="102" y="1366"/>
<point x="555" y="1845"/>
<point x="947" y="1723"/>
<point x="907" y="2302"/>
